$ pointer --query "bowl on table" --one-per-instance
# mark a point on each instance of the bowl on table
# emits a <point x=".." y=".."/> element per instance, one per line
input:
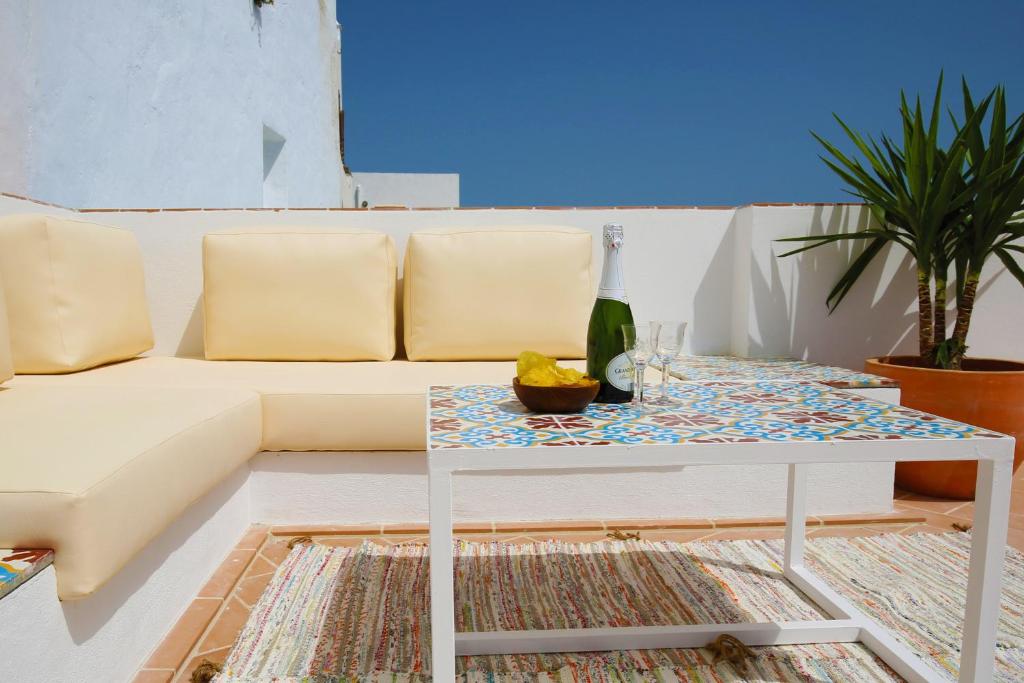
<point x="564" y="399"/>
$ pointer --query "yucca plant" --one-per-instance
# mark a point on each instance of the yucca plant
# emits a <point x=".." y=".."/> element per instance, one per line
<point x="950" y="207"/>
<point x="994" y="224"/>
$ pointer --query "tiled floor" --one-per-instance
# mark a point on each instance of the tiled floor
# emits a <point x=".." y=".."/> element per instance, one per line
<point x="213" y="620"/>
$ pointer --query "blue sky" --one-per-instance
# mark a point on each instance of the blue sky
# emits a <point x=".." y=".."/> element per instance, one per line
<point x="654" y="102"/>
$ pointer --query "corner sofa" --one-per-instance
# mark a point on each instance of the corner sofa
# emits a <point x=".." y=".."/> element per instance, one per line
<point x="311" y="344"/>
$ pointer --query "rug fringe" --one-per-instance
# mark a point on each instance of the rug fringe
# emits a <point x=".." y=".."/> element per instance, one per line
<point x="205" y="672"/>
<point x="299" y="540"/>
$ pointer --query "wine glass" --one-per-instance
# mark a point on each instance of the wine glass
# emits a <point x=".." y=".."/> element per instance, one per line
<point x="667" y="347"/>
<point x="639" y="345"/>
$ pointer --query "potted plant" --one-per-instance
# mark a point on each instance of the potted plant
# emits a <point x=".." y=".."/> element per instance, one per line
<point x="952" y="207"/>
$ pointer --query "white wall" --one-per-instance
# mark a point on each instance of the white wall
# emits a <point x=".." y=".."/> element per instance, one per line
<point x="779" y="304"/>
<point x="162" y="104"/>
<point x="408" y="189"/>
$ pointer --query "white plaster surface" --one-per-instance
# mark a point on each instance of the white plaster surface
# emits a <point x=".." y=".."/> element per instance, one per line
<point x="156" y="104"/>
<point x="779" y="304"/>
<point x="408" y="189"/>
<point x="292" y="488"/>
<point x="110" y="634"/>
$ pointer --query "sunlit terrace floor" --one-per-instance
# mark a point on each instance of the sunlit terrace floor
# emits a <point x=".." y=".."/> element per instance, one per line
<point x="213" y="620"/>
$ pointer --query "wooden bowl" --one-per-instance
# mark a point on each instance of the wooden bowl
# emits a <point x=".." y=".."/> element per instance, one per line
<point x="555" y="399"/>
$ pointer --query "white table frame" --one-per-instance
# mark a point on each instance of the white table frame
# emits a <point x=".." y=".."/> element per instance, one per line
<point x="847" y="622"/>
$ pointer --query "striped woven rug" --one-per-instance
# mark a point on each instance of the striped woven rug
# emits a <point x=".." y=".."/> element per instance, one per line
<point x="346" y="614"/>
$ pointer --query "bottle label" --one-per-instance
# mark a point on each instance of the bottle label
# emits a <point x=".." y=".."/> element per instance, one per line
<point x="619" y="372"/>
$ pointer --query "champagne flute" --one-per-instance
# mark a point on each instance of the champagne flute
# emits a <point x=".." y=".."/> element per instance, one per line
<point x="667" y="347"/>
<point x="639" y="345"/>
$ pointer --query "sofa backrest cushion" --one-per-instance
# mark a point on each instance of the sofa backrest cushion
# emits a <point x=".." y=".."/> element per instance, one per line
<point x="6" y="362"/>
<point x="76" y="293"/>
<point x="299" y="294"/>
<point x="489" y="294"/>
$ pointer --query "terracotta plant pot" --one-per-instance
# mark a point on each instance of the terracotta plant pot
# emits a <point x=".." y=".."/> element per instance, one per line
<point x="988" y="393"/>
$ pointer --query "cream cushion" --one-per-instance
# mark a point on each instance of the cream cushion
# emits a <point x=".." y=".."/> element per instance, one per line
<point x="6" y="363"/>
<point x="97" y="472"/>
<point x="488" y="294"/>
<point x="312" y="406"/>
<point x="76" y="295"/>
<point x="299" y="294"/>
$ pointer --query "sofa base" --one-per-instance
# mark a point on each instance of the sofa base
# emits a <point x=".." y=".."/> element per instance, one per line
<point x="108" y="635"/>
<point x="358" y="488"/>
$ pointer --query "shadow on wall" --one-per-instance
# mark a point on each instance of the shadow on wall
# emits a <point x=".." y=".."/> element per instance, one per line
<point x="789" y="307"/>
<point x="709" y="332"/>
<point x="191" y="343"/>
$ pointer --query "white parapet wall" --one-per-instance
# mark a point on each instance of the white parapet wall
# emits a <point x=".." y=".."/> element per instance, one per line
<point x="414" y="190"/>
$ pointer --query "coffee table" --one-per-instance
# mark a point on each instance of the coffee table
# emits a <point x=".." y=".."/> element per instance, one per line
<point x="483" y="428"/>
<point x="738" y="369"/>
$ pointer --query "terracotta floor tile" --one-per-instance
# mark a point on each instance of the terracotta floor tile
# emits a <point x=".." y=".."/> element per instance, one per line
<point x="529" y="527"/>
<point x="1016" y="539"/>
<point x="928" y="504"/>
<point x="753" y="522"/>
<point x="226" y="627"/>
<point x="898" y="517"/>
<point x="944" y="522"/>
<point x="275" y="550"/>
<point x="250" y="589"/>
<point x="321" y="529"/>
<point x="183" y="635"/>
<point x="254" y="537"/>
<point x="1016" y="520"/>
<point x="413" y="529"/>
<point x="640" y="524"/>
<point x="227" y="574"/>
<point x="216" y="656"/>
<point x="570" y="536"/>
<point x="260" y="566"/>
<point x="154" y="676"/>
<point x="1017" y="504"/>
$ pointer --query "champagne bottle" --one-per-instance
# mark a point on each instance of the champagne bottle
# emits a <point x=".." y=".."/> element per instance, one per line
<point x="606" y="357"/>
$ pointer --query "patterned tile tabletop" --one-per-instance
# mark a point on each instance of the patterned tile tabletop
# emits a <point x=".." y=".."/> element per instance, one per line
<point x="490" y="416"/>
<point x="18" y="566"/>
<point x="734" y="368"/>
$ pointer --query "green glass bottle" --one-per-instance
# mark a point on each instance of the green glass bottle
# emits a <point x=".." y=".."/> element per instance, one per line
<point x="606" y="356"/>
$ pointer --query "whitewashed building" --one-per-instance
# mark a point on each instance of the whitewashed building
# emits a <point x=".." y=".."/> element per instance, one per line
<point x="232" y="103"/>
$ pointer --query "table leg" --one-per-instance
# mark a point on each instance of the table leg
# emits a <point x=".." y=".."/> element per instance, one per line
<point x="988" y="549"/>
<point x="796" y="516"/>
<point x="442" y="579"/>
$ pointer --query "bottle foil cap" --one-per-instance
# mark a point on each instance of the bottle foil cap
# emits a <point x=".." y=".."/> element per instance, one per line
<point x="613" y="235"/>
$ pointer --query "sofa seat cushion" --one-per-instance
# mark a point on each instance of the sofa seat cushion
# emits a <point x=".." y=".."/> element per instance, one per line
<point x="97" y="472"/>
<point x="313" y="406"/>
